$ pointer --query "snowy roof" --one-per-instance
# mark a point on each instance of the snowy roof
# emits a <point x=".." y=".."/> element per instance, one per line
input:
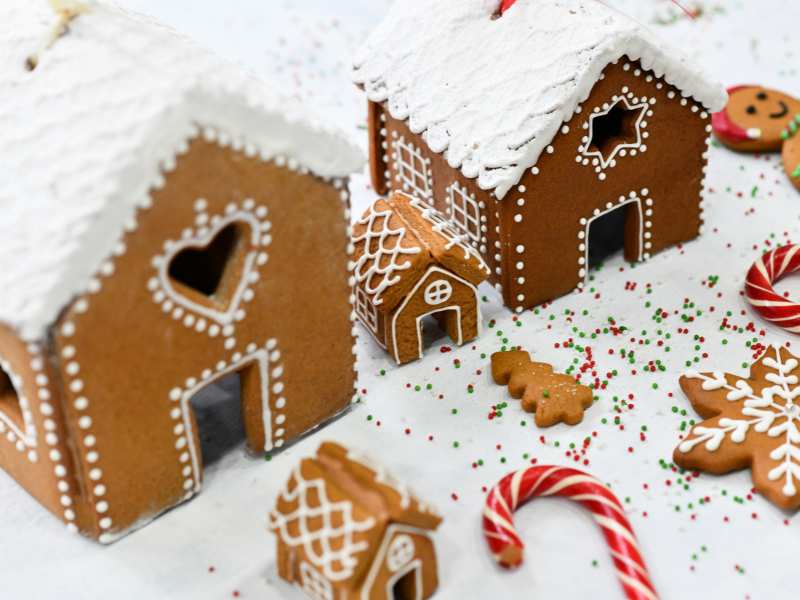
<point x="491" y="93"/>
<point x="84" y="134"/>
<point x="396" y="240"/>
<point x="335" y="506"/>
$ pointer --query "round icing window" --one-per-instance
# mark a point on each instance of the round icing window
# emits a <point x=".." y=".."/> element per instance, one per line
<point x="437" y="292"/>
<point x="400" y="553"/>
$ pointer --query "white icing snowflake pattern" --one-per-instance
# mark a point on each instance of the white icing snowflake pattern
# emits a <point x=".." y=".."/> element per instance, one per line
<point x="773" y="412"/>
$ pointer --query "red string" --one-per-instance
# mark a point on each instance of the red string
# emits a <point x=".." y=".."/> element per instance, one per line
<point x="506" y="4"/>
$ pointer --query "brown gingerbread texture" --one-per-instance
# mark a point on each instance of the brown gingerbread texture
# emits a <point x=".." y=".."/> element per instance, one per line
<point x="346" y="528"/>
<point x="553" y="397"/>
<point x="626" y="156"/>
<point x="791" y="151"/>
<point x="177" y="232"/>
<point x="748" y="423"/>
<point x="755" y="118"/>
<point x="409" y="263"/>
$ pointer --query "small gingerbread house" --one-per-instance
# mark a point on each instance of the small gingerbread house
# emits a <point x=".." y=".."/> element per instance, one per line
<point x="551" y="134"/>
<point x="410" y="263"/>
<point x="158" y="205"/>
<point x="347" y="530"/>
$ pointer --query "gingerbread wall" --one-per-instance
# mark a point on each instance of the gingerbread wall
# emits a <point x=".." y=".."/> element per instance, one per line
<point x="401" y="323"/>
<point x="542" y="217"/>
<point x="385" y="132"/>
<point x="34" y="445"/>
<point x="532" y="240"/>
<point x="135" y="349"/>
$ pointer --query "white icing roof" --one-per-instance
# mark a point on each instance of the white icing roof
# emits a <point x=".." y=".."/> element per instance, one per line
<point x="492" y="93"/>
<point x="82" y="137"/>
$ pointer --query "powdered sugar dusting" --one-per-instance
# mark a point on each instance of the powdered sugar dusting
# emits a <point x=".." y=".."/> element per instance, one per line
<point x="491" y="93"/>
<point x="94" y="126"/>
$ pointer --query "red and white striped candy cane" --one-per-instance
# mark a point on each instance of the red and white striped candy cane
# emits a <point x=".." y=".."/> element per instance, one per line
<point x="761" y="294"/>
<point x="517" y="488"/>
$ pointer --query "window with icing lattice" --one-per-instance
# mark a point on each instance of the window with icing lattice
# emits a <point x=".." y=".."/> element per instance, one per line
<point x="314" y="584"/>
<point x="438" y="292"/>
<point x="465" y="213"/>
<point x="413" y="170"/>
<point x="400" y="553"/>
<point x="366" y="310"/>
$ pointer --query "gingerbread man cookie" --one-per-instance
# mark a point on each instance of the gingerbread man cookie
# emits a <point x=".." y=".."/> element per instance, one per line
<point x="750" y="423"/>
<point x="791" y="151"/>
<point x="553" y="397"/>
<point x="754" y="119"/>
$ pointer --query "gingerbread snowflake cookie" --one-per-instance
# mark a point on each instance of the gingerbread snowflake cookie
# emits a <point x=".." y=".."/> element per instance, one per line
<point x="553" y="397"/>
<point x="748" y="422"/>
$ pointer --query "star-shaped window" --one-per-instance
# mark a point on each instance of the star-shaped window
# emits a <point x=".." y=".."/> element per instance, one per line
<point x="614" y="129"/>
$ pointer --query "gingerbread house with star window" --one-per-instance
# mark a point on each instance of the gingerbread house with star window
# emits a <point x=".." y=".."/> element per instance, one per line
<point x="157" y="205"/>
<point x="550" y="132"/>
<point x="411" y="263"/>
<point x="346" y="529"/>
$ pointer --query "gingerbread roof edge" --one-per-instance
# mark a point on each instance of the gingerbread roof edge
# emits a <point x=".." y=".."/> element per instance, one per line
<point x="397" y="239"/>
<point x="492" y="93"/>
<point x="93" y="127"/>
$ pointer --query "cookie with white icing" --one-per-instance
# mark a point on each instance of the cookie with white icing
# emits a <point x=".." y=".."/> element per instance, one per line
<point x="748" y="423"/>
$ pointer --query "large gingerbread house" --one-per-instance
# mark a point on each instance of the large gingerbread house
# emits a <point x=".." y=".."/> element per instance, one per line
<point x="411" y="263"/>
<point x="158" y="205"/>
<point x="346" y="529"/>
<point x="550" y="134"/>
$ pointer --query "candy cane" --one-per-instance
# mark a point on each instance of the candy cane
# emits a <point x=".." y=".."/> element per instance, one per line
<point x="517" y="488"/>
<point x="759" y="290"/>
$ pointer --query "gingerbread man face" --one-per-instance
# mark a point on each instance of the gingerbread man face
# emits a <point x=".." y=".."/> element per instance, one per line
<point x="754" y="119"/>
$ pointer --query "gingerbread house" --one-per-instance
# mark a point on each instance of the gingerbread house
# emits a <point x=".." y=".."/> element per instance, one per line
<point x="411" y="263"/>
<point x="158" y="205"/>
<point x="347" y="530"/>
<point x="551" y="134"/>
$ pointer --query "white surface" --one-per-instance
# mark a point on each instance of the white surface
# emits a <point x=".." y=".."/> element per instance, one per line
<point x="491" y="93"/>
<point x="224" y="526"/>
<point x="86" y="132"/>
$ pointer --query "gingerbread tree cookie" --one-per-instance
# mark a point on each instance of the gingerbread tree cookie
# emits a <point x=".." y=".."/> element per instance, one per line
<point x="749" y="422"/>
<point x="553" y="397"/>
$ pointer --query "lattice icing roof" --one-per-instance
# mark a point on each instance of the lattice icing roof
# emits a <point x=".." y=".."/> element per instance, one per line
<point x="335" y="507"/>
<point x="316" y="516"/>
<point x="85" y="134"/>
<point x="492" y="93"/>
<point x="395" y="241"/>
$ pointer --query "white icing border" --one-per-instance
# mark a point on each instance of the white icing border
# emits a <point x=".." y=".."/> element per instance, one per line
<point x="380" y="557"/>
<point x="270" y="371"/>
<point x="596" y="157"/>
<point x="645" y="224"/>
<point x="399" y="310"/>
<point x="87" y="454"/>
<point x="175" y="303"/>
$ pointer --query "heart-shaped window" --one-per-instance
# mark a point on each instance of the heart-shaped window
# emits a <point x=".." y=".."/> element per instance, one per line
<point x="212" y="270"/>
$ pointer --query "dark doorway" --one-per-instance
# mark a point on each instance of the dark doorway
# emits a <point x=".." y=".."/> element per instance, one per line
<point x="405" y="588"/>
<point x="430" y="330"/>
<point x="9" y="401"/>
<point x="202" y="269"/>
<point x="607" y="235"/>
<point x="218" y="414"/>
